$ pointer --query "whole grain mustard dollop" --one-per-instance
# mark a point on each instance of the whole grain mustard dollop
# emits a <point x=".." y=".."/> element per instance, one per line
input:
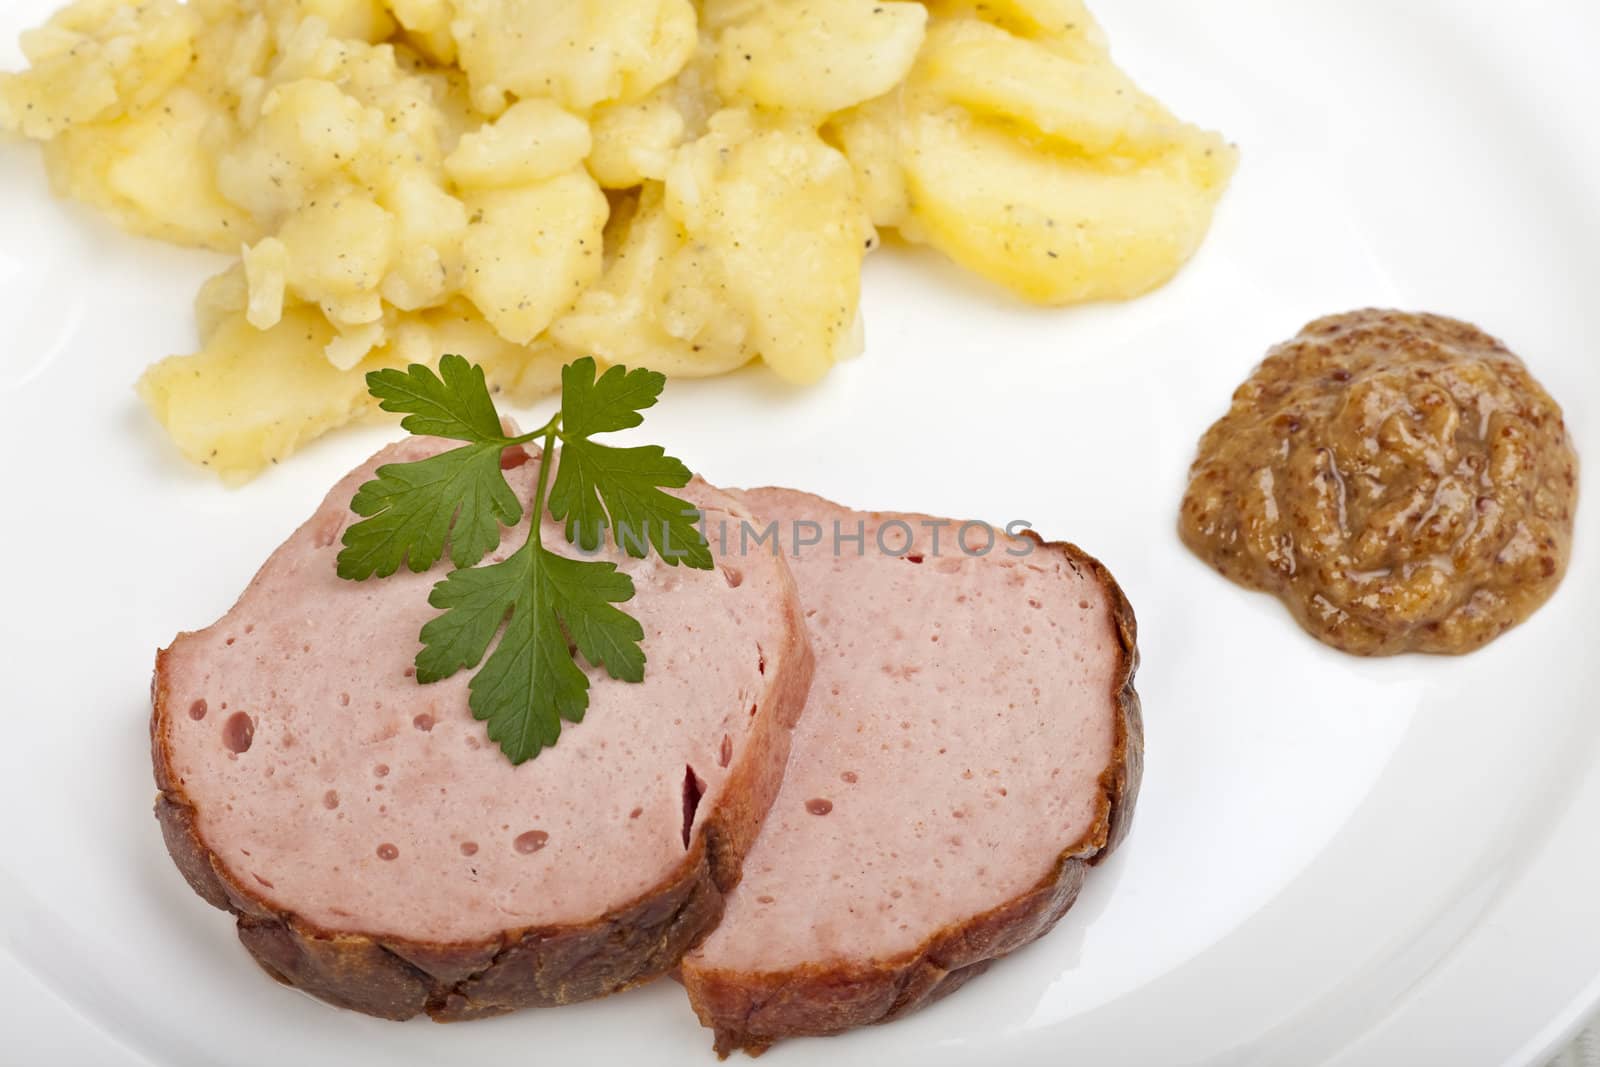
<point x="1400" y="481"/>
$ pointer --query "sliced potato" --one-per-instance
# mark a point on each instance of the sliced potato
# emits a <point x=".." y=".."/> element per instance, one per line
<point x="820" y="56"/>
<point x="430" y="228"/>
<point x="339" y="248"/>
<point x="661" y="302"/>
<point x="266" y="272"/>
<point x="532" y="141"/>
<point x="308" y="134"/>
<point x="718" y="15"/>
<point x="222" y="296"/>
<point x="1048" y="224"/>
<point x="633" y="143"/>
<point x="1066" y="26"/>
<point x="577" y="52"/>
<point x="433" y="45"/>
<point x="531" y="252"/>
<point x="249" y="398"/>
<point x="420" y="14"/>
<point x="355" y="20"/>
<point x="1092" y="105"/>
<point x="352" y="344"/>
<point x="672" y="46"/>
<point x="97" y="60"/>
<point x="870" y="137"/>
<point x="778" y="208"/>
<point x="151" y="173"/>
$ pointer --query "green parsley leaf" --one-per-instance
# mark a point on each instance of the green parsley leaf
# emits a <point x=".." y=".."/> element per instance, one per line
<point x="531" y="682"/>
<point x="411" y="509"/>
<point x="538" y="609"/>
<point x="582" y="593"/>
<point x="591" y="405"/>
<point x="454" y="403"/>
<point x="600" y="486"/>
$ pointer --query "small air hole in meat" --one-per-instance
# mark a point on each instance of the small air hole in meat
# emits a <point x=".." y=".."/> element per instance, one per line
<point x="850" y="777"/>
<point x="752" y="711"/>
<point x="423" y="722"/>
<point x="635" y="813"/>
<point x="344" y="700"/>
<point x="229" y="641"/>
<point x="725" y="754"/>
<point x="387" y="851"/>
<point x="330" y="799"/>
<point x="197" y="710"/>
<point x="819" y="806"/>
<point x="761" y="663"/>
<point x="409" y="672"/>
<point x="260" y="879"/>
<point x="381" y="770"/>
<point x="693" y="790"/>
<point x="765" y="899"/>
<point x="915" y="557"/>
<point x="238" y="732"/>
<point x="1083" y="605"/>
<point x="469" y="848"/>
<point x="732" y="576"/>
<point x="530" y="842"/>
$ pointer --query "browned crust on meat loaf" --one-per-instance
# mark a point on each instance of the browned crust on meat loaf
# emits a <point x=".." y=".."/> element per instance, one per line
<point x="395" y="978"/>
<point x="751" y="1010"/>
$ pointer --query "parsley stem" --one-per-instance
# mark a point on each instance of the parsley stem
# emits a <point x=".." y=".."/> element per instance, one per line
<point x="536" y="518"/>
<point x="544" y="431"/>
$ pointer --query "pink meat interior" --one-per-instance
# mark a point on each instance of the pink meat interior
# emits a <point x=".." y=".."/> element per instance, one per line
<point x="959" y="722"/>
<point x="336" y="787"/>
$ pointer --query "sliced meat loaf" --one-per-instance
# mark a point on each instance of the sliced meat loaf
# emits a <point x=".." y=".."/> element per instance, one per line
<point x="972" y="744"/>
<point x="382" y="854"/>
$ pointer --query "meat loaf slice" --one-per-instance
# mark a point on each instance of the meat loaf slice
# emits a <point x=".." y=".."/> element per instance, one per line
<point x="971" y="746"/>
<point x="380" y="853"/>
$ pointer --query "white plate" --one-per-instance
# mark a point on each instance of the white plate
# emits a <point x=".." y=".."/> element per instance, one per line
<point x="1334" y="860"/>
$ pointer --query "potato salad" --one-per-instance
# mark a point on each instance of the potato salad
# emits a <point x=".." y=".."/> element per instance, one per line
<point x="685" y="186"/>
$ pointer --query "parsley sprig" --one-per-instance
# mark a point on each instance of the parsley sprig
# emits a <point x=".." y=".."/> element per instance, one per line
<point x="544" y="607"/>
